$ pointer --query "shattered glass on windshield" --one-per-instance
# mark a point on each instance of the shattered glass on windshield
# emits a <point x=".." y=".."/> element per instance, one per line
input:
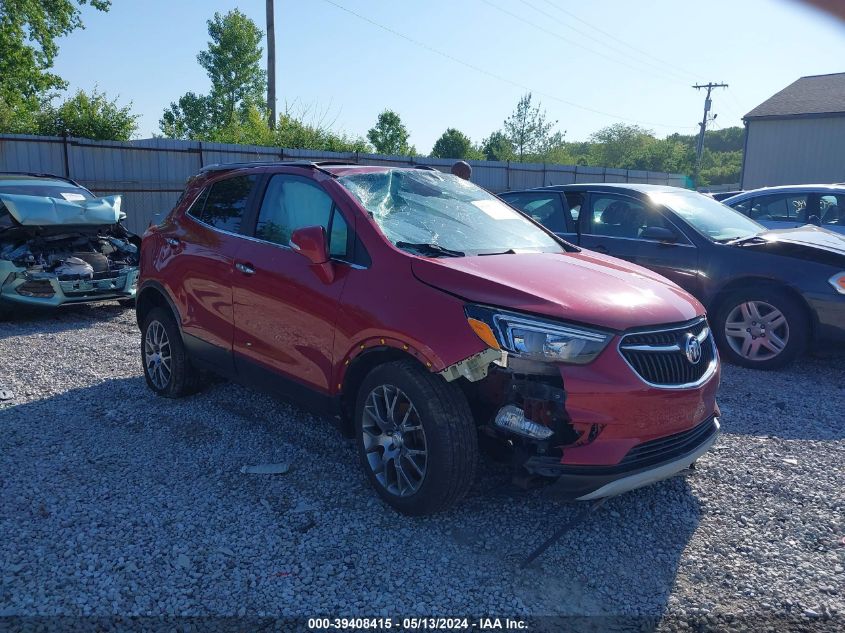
<point x="440" y="214"/>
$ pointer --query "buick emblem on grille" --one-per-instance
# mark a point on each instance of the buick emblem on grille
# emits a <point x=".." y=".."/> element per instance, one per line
<point x="692" y="349"/>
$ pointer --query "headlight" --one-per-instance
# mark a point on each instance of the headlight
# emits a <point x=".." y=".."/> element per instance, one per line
<point x="838" y="282"/>
<point x="536" y="338"/>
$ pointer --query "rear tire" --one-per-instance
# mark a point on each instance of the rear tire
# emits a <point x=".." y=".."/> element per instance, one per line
<point x="167" y="367"/>
<point x="416" y="437"/>
<point x="761" y="329"/>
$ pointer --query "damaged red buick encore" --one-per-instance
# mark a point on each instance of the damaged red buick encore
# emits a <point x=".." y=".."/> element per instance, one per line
<point x="432" y="316"/>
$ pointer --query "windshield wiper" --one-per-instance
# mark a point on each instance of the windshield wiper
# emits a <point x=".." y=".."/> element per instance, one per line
<point x="430" y="250"/>
<point x="510" y="251"/>
<point x="751" y="239"/>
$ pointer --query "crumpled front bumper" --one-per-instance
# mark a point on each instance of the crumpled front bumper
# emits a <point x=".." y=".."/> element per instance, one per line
<point x="645" y="464"/>
<point x="16" y="286"/>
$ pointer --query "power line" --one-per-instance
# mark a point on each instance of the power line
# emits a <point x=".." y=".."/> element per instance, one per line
<point x="621" y="41"/>
<point x="494" y="75"/>
<point x="666" y="75"/>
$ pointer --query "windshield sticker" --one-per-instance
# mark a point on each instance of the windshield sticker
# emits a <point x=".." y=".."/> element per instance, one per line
<point x="72" y="197"/>
<point x="494" y="209"/>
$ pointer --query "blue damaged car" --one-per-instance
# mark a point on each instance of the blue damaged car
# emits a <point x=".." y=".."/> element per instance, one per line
<point x="61" y="244"/>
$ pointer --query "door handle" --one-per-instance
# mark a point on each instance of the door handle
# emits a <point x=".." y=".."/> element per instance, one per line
<point x="172" y="241"/>
<point x="601" y="249"/>
<point x="246" y="269"/>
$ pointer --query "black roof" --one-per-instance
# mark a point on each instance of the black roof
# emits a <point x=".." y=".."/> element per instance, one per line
<point x="813" y="95"/>
<point x="601" y="186"/>
<point x="312" y="164"/>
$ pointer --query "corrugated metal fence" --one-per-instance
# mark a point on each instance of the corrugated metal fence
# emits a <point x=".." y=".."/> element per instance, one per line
<point x="151" y="173"/>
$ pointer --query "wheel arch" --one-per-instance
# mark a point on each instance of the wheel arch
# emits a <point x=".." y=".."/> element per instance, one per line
<point x="361" y="365"/>
<point x="741" y="283"/>
<point x="153" y="295"/>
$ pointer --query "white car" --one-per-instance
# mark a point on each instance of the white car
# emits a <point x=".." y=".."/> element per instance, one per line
<point x="794" y="205"/>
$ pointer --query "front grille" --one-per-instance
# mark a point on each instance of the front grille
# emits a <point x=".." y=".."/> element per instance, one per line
<point x="100" y="283"/>
<point x="660" y="357"/>
<point x="666" y="448"/>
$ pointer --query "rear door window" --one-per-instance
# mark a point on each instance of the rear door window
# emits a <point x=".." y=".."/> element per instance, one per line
<point x="575" y="200"/>
<point x="224" y="203"/>
<point x="546" y="208"/>
<point x="779" y="208"/>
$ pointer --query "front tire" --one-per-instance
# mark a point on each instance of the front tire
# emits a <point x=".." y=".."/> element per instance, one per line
<point x="761" y="329"/>
<point x="416" y="437"/>
<point x="167" y="367"/>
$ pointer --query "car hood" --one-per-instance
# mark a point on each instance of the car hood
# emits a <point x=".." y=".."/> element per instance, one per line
<point x="809" y="243"/>
<point x="44" y="211"/>
<point x="584" y="287"/>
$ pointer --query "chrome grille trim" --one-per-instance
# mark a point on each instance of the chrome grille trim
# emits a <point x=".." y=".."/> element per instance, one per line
<point x="657" y="358"/>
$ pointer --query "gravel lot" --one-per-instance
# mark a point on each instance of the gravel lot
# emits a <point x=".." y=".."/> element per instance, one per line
<point x="115" y="502"/>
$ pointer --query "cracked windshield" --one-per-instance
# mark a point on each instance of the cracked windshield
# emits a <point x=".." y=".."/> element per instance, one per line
<point x="443" y="215"/>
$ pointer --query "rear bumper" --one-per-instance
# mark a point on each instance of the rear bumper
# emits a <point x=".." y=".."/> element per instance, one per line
<point x="645" y="464"/>
<point x="830" y="317"/>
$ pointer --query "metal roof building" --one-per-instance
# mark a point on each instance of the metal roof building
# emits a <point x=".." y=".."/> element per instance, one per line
<point x="798" y="135"/>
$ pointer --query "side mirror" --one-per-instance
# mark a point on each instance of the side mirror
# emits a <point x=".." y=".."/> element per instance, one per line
<point x="814" y="219"/>
<point x="311" y="243"/>
<point x="659" y="234"/>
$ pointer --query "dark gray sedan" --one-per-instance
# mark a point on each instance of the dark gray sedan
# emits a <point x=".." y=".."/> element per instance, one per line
<point x="769" y="293"/>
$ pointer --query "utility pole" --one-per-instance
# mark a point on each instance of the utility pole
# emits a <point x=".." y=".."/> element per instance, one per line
<point x="699" y="147"/>
<point x="271" y="64"/>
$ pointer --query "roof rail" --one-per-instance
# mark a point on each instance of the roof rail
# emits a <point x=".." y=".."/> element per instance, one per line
<point x="313" y="164"/>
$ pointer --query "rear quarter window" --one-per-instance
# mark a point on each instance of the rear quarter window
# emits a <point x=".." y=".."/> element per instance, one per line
<point x="222" y="204"/>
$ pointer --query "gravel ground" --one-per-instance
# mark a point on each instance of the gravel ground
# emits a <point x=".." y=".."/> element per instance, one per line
<point x="115" y="502"/>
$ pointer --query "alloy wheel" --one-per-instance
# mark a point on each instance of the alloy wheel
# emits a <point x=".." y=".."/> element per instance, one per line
<point x="394" y="440"/>
<point x="157" y="355"/>
<point x="757" y="330"/>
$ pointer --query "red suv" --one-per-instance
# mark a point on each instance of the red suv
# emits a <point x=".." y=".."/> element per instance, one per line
<point x="430" y="314"/>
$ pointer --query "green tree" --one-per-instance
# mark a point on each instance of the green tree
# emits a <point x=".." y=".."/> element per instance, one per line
<point x="497" y="146"/>
<point x="453" y="144"/>
<point x="292" y="132"/>
<point x="188" y="118"/>
<point x="529" y="132"/>
<point x="389" y="135"/>
<point x="620" y="146"/>
<point x="28" y="34"/>
<point x="233" y="63"/>
<point x="92" y="116"/>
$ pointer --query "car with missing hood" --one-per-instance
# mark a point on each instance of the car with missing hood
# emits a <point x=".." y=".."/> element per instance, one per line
<point x="432" y="316"/>
<point x="60" y="244"/>
<point x="770" y="293"/>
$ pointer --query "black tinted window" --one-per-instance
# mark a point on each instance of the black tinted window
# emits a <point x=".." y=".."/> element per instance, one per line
<point x="545" y="208"/>
<point x="225" y="203"/>
<point x="620" y="216"/>
<point x="292" y="203"/>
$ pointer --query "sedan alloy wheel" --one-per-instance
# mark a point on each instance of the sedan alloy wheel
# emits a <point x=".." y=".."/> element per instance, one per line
<point x="757" y="330"/>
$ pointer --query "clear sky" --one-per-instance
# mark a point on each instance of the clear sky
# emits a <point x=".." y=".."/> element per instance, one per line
<point x="465" y="63"/>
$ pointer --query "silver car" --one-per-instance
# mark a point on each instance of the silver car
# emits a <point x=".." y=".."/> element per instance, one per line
<point x="794" y="205"/>
<point x="61" y="244"/>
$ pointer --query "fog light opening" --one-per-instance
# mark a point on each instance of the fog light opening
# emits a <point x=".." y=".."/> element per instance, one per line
<point x="512" y="418"/>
